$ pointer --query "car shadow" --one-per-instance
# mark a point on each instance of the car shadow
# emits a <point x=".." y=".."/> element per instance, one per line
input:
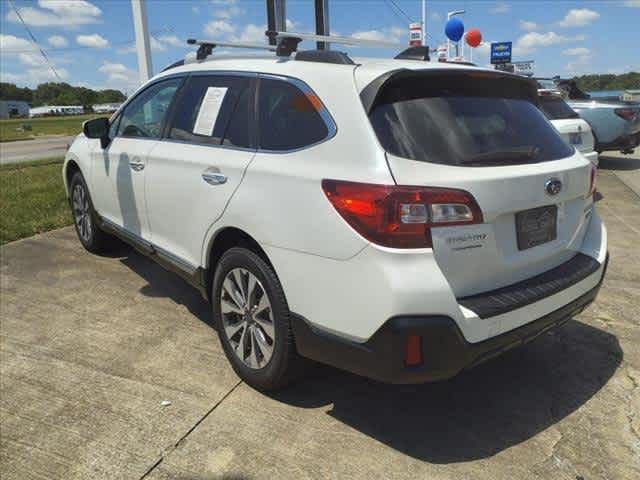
<point x="165" y="284"/>
<point x="474" y="415"/>
<point x="618" y="163"/>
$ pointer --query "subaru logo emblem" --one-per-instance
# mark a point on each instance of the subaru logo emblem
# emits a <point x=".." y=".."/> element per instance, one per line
<point x="553" y="186"/>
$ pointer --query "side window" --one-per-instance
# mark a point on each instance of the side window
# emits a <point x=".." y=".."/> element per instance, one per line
<point x="143" y="117"/>
<point x="288" y="117"/>
<point x="215" y="110"/>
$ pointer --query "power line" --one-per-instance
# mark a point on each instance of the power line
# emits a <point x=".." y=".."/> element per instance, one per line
<point x="391" y="5"/>
<point x="35" y="42"/>
<point x="401" y="10"/>
<point x="66" y="49"/>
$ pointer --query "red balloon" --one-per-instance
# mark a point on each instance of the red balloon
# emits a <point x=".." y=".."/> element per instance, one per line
<point x="473" y="37"/>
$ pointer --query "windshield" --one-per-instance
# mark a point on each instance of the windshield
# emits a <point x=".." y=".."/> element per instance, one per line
<point x="447" y="121"/>
<point x="555" y="108"/>
<point x="546" y="83"/>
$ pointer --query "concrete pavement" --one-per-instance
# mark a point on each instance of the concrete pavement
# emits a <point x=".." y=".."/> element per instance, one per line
<point x="91" y="346"/>
<point x="36" y="149"/>
<point x="626" y="167"/>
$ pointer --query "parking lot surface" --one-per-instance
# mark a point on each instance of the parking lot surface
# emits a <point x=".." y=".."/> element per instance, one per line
<point x="93" y="349"/>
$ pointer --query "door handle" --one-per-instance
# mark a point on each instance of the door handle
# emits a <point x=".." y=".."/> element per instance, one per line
<point x="213" y="176"/>
<point x="136" y="164"/>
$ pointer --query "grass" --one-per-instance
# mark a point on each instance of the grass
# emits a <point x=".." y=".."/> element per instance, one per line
<point x="32" y="199"/>
<point x="11" y="130"/>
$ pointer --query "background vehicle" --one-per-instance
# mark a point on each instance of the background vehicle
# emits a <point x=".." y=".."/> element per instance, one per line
<point x="400" y="219"/>
<point x="574" y="130"/>
<point x="615" y="124"/>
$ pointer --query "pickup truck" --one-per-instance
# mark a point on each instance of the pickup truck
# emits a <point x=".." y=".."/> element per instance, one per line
<point x="615" y="124"/>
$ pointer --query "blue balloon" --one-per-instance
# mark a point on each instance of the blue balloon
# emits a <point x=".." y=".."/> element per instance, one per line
<point x="454" y="29"/>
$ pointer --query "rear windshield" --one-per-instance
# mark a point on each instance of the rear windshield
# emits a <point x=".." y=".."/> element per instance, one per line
<point x="464" y="120"/>
<point x="555" y="108"/>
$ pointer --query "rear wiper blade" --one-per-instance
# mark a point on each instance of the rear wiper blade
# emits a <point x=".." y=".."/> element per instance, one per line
<point x="506" y="156"/>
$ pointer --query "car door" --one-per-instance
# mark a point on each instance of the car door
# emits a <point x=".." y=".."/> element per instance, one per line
<point x="194" y="170"/>
<point x="119" y="170"/>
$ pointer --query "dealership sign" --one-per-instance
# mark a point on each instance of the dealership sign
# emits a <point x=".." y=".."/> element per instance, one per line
<point x="501" y="52"/>
<point x="415" y="34"/>
<point x="524" y="68"/>
<point x="442" y="53"/>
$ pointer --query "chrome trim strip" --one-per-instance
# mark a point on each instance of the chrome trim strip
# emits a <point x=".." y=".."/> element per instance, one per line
<point x="148" y="247"/>
<point x="208" y="145"/>
<point x="129" y="237"/>
<point x="178" y="262"/>
<point x="332" y="128"/>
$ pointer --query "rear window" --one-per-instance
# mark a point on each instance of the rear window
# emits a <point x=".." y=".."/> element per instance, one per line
<point x="464" y="120"/>
<point x="555" y="108"/>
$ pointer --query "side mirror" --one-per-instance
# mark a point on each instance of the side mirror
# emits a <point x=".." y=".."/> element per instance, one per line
<point x="97" y="128"/>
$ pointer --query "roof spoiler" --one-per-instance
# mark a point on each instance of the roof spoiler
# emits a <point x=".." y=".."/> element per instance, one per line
<point x="370" y="94"/>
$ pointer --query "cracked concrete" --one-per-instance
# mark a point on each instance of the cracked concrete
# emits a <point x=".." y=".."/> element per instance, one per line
<point x="91" y="346"/>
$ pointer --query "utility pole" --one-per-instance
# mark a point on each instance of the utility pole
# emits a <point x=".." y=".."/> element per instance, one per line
<point x="322" y="22"/>
<point x="143" y="45"/>
<point x="449" y="15"/>
<point x="276" y="17"/>
<point x="424" y="22"/>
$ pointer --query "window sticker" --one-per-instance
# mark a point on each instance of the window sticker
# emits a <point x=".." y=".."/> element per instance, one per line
<point x="209" y="110"/>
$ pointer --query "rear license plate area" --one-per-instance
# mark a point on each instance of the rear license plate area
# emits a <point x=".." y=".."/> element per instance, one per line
<point x="536" y="226"/>
<point x="576" y="138"/>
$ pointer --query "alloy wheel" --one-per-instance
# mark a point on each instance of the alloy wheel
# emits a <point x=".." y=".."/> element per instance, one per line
<point x="247" y="318"/>
<point x="81" y="212"/>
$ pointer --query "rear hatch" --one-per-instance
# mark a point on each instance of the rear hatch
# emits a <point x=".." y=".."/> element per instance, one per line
<point x="574" y="131"/>
<point x="483" y="133"/>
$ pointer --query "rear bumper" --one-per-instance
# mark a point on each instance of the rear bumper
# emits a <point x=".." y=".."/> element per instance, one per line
<point x="445" y="352"/>
<point x="592" y="157"/>
<point x="623" y="142"/>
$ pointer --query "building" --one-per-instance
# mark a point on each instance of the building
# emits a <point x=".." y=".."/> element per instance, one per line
<point x="48" y="110"/>
<point x="106" y="107"/>
<point x="13" y="108"/>
<point x="630" y="96"/>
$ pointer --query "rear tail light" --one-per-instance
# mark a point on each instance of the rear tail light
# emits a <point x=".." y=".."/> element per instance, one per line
<point x="397" y="216"/>
<point x="629" y="113"/>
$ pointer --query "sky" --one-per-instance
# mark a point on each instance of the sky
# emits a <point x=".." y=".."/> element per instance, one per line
<point x="91" y="42"/>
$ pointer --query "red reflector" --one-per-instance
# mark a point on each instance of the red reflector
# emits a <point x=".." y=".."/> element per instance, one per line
<point x="413" y="354"/>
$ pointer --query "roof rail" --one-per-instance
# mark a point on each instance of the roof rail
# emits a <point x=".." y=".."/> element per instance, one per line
<point x="206" y="46"/>
<point x="287" y="42"/>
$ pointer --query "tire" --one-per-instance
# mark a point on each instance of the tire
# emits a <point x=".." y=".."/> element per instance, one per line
<point x="85" y="218"/>
<point x="256" y="336"/>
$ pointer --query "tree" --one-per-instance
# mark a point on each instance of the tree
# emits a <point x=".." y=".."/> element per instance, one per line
<point x="52" y="93"/>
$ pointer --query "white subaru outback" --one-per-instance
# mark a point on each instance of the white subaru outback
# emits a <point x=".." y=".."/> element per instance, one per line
<point x="400" y="219"/>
